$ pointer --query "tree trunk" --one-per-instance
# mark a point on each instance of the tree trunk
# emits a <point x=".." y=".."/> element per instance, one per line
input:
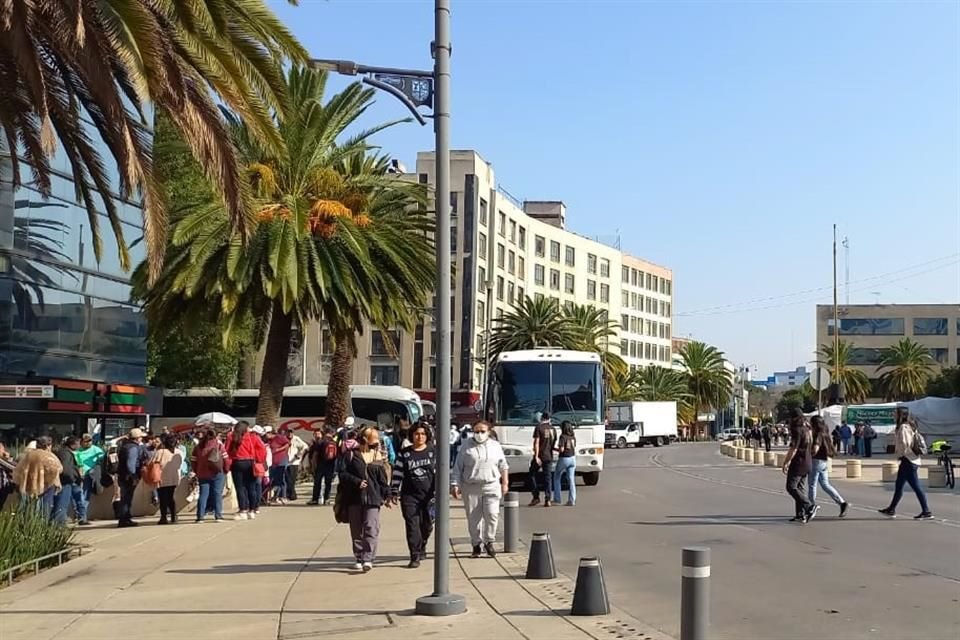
<point x="338" y="387"/>
<point x="273" y="375"/>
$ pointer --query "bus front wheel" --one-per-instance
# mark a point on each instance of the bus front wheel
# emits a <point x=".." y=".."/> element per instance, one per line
<point x="591" y="479"/>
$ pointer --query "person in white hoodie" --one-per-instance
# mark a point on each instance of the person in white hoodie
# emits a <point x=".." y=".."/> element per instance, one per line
<point x="481" y="476"/>
<point x="907" y="450"/>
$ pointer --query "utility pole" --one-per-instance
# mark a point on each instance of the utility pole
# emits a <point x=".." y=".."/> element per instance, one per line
<point x="836" y="325"/>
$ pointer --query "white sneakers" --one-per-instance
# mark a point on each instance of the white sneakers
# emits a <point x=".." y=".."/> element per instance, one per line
<point x="242" y="515"/>
<point x="367" y="566"/>
<point x="357" y="566"/>
<point x="252" y="515"/>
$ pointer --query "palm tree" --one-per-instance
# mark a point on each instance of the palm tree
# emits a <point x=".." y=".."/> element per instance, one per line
<point x="855" y="383"/>
<point x="62" y="62"/>
<point x="906" y="366"/>
<point x="592" y="332"/>
<point x="533" y="322"/>
<point x="337" y="237"/>
<point x="624" y="386"/>
<point x="709" y="384"/>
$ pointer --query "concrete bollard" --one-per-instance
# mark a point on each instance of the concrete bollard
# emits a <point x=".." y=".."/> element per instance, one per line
<point x="781" y="458"/>
<point x="770" y="458"/>
<point x="695" y="593"/>
<point x="540" y="565"/>
<point x="590" y="594"/>
<point x="936" y="477"/>
<point x="890" y="471"/>
<point x="854" y="469"/>
<point x="758" y="457"/>
<point x="511" y="522"/>
<point x="741" y="452"/>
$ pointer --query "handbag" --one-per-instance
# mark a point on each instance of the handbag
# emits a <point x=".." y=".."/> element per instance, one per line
<point x="152" y="473"/>
<point x="215" y="457"/>
<point x="259" y="470"/>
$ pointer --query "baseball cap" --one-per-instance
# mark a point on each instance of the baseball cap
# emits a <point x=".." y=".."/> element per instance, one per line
<point x="257" y="429"/>
<point x="136" y="433"/>
<point x="349" y="422"/>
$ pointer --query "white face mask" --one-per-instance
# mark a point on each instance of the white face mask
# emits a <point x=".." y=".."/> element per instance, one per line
<point x="481" y="437"/>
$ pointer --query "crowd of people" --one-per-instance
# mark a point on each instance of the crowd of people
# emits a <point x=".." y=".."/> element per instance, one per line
<point x="856" y="441"/>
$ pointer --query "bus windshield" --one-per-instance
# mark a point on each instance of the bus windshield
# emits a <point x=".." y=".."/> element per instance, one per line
<point x="568" y="390"/>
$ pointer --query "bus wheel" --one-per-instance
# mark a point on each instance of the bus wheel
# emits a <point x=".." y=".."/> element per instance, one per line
<point x="658" y="442"/>
<point x="591" y="479"/>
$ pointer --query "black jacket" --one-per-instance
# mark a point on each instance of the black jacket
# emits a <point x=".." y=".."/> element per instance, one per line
<point x="355" y="471"/>
<point x="71" y="472"/>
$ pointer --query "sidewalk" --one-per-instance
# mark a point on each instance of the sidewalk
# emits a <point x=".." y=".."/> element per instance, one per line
<point x="285" y="576"/>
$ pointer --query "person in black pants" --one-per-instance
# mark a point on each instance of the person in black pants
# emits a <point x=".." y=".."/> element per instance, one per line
<point x="797" y="467"/>
<point x="542" y="463"/>
<point x="413" y="484"/>
<point x="323" y="454"/>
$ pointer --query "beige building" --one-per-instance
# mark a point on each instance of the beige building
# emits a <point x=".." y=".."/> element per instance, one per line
<point x="504" y="250"/>
<point x="872" y="327"/>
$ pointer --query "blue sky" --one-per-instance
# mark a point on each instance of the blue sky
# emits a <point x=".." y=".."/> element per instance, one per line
<point x="721" y="139"/>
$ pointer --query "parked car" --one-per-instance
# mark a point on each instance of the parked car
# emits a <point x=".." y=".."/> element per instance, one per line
<point x="729" y="434"/>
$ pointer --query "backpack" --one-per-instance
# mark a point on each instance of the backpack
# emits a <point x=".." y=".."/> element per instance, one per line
<point x="215" y="457"/>
<point x="329" y="451"/>
<point x="152" y="473"/>
<point x="919" y="445"/>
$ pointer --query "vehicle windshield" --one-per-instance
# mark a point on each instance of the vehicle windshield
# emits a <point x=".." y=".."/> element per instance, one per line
<point x="568" y="390"/>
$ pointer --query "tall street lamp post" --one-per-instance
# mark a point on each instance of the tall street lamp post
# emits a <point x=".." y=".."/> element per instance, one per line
<point x="415" y="88"/>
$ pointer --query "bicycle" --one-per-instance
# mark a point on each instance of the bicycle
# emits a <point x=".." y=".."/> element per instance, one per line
<point x="943" y="460"/>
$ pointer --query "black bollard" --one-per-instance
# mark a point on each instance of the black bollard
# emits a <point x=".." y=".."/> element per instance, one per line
<point x="540" y="564"/>
<point x="590" y="595"/>
<point x="511" y="522"/>
<point x="695" y="593"/>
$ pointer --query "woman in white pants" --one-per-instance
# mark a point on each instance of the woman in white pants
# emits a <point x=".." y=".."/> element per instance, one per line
<point x="481" y="476"/>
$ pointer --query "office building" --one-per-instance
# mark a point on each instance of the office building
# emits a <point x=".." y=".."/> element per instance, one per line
<point x="781" y="380"/>
<point x="869" y="328"/>
<point x="503" y="250"/>
<point x="72" y="346"/>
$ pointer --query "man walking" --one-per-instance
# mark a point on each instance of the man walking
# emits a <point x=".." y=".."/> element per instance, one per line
<point x="129" y="460"/>
<point x="323" y="459"/>
<point x="845" y="435"/>
<point x="71" y="484"/>
<point x="797" y="467"/>
<point x="542" y="462"/>
<point x="88" y="459"/>
<point x="869" y="435"/>
<point x="765" y="433"/>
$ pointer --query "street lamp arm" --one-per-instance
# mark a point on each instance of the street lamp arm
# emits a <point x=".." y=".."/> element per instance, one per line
<point x="351" y="68"/>
<point x="399" y="95"/>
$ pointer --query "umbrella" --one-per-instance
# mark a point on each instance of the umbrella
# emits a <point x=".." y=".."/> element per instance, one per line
<point x="214" y="417"/>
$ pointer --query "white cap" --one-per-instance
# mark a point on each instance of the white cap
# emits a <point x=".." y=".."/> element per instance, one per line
<point x="267" y="429"/>
<point x="258" y="429"/>
<point x="349" y="422"/>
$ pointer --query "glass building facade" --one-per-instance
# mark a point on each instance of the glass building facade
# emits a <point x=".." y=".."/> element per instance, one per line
<point x="62" y="313"/>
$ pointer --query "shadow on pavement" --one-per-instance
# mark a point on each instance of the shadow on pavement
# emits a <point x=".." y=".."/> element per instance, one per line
<point x="208" y="612"/>
<point x="335" y="565"/>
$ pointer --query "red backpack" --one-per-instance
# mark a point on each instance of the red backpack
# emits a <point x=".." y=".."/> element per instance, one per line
<point x="329" y="451"/>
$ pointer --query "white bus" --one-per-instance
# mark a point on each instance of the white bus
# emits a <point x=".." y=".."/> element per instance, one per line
<point x="567" y="384"/>
<point x="303" y="407"/>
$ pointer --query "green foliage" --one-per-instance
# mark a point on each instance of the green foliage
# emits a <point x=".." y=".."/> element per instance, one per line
<point x="793" y="399"/>
<point x="946" y="384"/>
<point x="25" y="534"/>
<point x="182" y="355"/>
<point x="654" y="384"/>
<point x="907" y="367"/>
<point x="855" y="383"/>
<point x="709" y="383"/>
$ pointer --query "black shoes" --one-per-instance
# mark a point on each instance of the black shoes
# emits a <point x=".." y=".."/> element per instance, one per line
<point x="476" y="551"/>
<point x="126" y="523"/>
<point x="493" y="552"/>
<point x="414" y="563"/>
<point x="843" y="509"/>
<point x="534" y="502"/>
<point x="890" y="513"/>
<point x="926" y="515"/>
<point x="812" y="512"/>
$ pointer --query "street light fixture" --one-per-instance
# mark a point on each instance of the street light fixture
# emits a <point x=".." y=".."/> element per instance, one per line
<point x="416" y="88"/>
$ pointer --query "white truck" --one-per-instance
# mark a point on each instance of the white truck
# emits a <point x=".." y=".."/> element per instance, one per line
<point x="640" y="423"/>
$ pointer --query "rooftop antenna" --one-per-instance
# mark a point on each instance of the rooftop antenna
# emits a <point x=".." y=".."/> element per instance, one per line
<point x="876" y="297"/>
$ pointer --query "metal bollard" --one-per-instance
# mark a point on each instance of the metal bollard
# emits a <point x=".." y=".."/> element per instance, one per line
<point x="695" y="594"/>
<point x="511" y="522"/>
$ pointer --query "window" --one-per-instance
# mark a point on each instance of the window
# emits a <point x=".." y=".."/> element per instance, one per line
<point x="633" y="278"/>
<point x="625" y="274"/>
<point x="861" y="355"/>
<point x="554" y="251"/>
<point x="499" y="287"/>
<point x="624" y="348"/>
<point x="501" y="255"/>
<point x="669" y="357"/>
<point x="502" y="219"/>
<point x="568" y="283"/>
<point x="663" y="286"/>
<point x="521" y="268"/>
<point x="510" y="291"/>
<point x="624" y="299"/>
<point x="483" y="278"/>
<point x="385" y="374"/>
<point x="928" y="326"/>
<point x="669" y="287"/>
<point x="649" y="280"/>
<point x="554" y="279"/>
<point x="656" y="283"/>
<point x="483" y="212"/>
<point x="522" y="240"/>
<point x="520" y="293"/>
<point x="511" y="262"/>
<point x="868" y="326"/>
<point x="539" y="246"/>
<point x="604" y="268"/>
<point x="940" y="355"/>
<point x="591" y="263"/>
<point x="481" y="312"/>
<point x="378" y="343"/>
<point x="538" y="278"/>
<point x="604" y="293"/>
<point x="482" y="245"/>
<point x="624" y="322"/>
<point x="648" y="351"/>
<point x="591" y="289"/>
<point x="633" y="349"/>
<point x="570" y="256"/>
<point x="513" y="231"/>
<point x="669" y="310"/>
<point x="667" y="328"/>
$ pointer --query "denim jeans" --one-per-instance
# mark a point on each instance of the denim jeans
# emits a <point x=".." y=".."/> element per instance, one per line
<point x="211" y="489"/>
<point x="566" y="466"/>
<point x="128" y="487"/>
<point x="797" y="491"/>
<point x="70" y="493"/>
<point x="541" y="478"/>
<point x="278" y="480"/>
<point x="907" y="474"/>
<point x="323" y="480"/>
<point x="247" y="485"/>
<point x="859" y="443"/>
<point x="819" y="474"/>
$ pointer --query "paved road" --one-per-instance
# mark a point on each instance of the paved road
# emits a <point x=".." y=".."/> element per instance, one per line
<point x="861" y="577"/>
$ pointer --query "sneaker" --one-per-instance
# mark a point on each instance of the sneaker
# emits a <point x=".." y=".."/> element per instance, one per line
<point x="476" y="551"/>
<point x="83" y="523"/>
<point x="888" y="512"/>
<point x="796" y="519"/>
<point x="367" y="566"/>
<point x="358" y="566"/>
<point x="534" y="502"/>
<point x="571" y="504"/>
<point x="926" y="515"/>
<point x="490" y="550"/>
<point x="127" y="523"/>
<point x="252" y="515"/>
<point x="547" y="503"/>
<point x="162" y="521"/>
<point x="240" y="516"/>
<point x="414" y="563"/>
<point x="328" y="502"/>
<point x="313" y="503"/>
<point x="843" y="509"/>
<point x="812" y="513"/>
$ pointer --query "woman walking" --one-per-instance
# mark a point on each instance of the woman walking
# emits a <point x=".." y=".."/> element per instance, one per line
<point x="822" y="451"/>
<point x="413" y="485"/>
<point x="169" y="459"/>
<point x="209" y="462"/>
<point x="797" y="466"/>
<point x="365" y="488"/>
<point x="908" y="449"/>
<point x="566" y="464"/>
<point x="481" y="476"/>
<point x="246" y="450"/>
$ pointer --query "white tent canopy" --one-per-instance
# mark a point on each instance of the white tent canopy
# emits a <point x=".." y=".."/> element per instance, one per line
<point x="937" y="417"/>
